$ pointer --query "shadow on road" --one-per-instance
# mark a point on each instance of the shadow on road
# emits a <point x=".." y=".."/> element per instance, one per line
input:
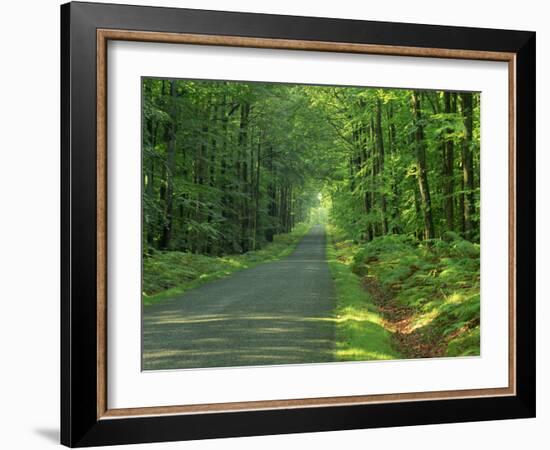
<point x="275" y="313"/>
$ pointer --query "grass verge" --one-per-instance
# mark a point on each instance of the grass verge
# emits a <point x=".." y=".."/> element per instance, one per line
<point x="171" y="273"/>
<point x="360" y="331"/>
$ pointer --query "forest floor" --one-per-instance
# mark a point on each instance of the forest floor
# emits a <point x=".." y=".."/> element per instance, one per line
<point x="279" y="312"/>
<point x="425" y="298"/>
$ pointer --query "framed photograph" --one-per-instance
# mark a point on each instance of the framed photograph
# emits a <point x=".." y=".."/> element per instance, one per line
<point x="276" y="224"/>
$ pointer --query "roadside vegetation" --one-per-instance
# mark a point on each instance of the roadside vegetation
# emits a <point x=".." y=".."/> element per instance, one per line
<point x="361" y="331"/>
<point x="423" y="297"/>
<point x="170" y="273"/>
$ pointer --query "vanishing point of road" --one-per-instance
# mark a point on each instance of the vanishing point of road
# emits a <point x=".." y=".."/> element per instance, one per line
<point x="277" y="312"/>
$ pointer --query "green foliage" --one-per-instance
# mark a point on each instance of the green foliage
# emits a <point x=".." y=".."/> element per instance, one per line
<point x="360" y="331"/>
<point x="231" y="168"/>
<point x="466" y="344"/>
<point x="438" y="281"/>
<point x="226" y="165"/>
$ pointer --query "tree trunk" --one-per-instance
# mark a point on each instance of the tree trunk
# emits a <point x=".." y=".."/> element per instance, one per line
<point x="422" y="174"/>
<point x="170" y="168"/>
<point x="212" y="244"/>
<point x="272" y="200"/>
<point x="372" y="181"/>
<point x="257" y="194"/>
<point x="395" y="227"/>
<point x="467" y="165"/>
<point x="290" y="216"/>
<point x="381" y="156"/>
<point x="150" y="170"/>
<point x="448" y="173"/>
<point x="282" y="209"/>
<point x="201" y="177"/>
<point x="242" y="174"/>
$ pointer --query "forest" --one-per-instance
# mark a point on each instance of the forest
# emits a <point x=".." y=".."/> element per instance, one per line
<point x="235" y="173"/>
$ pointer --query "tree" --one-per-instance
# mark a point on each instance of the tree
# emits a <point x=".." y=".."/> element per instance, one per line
<point x="169" y="170"/>
<point x="467" y="165"/>
<point x="421" y="170"/>
<point x="448" y="165"/>
<point x="229" y="165"/>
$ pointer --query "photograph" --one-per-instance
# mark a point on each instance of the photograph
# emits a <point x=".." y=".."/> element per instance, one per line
<point x="298" y="224"/>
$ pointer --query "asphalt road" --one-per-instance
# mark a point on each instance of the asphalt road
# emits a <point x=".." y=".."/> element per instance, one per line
<point x="275" y="313"/>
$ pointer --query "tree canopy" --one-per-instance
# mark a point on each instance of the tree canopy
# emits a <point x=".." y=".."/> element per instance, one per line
<point x="228" y="165"/>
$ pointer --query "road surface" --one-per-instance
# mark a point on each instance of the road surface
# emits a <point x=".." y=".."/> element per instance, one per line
<point x="278" y="312"/>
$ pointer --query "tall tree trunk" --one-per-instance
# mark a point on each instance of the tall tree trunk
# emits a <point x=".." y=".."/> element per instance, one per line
<point x="373" y="173"/>
<point x="448" y="173"/>
<point x="272" y="199"/>
<point x="395" y="228"/>
<point x="365" y="157"/>
<point x="290" y="212"/>
<point x="282" y="208"/>
<point x="257" y="194"/>
<point x="201" y="177"/>
<point x="250" y="190"/>
<point x="152" y="126"/>
<point x="170" y="169"/>
<point x="381" y="156"/>
<point x="150" y="192"/>
<point x="212" y="244"/>
<point x="467" y="165"/>
<point x="419" y="231"/>
<point x="242" y="175"/>
<point x="461" y="206"/>
<point x="226" y="198"/>
<point x="422" y="173"/>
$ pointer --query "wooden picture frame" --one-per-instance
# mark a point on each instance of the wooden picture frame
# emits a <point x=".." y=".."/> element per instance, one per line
<point x="86" y="418"/>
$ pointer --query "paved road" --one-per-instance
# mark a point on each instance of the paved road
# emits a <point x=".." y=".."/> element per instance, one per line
<point x="275" y="313"/>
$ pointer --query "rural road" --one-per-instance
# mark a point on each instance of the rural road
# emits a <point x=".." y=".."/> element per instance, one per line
<point x="275" y="313"/>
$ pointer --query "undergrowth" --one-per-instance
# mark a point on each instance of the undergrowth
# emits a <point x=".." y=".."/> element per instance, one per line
<point x="360" y="331"/>
<point x="433" y="288"/>
<point x="170" y="273"/>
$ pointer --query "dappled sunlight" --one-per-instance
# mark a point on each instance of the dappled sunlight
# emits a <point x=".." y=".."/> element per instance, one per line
<point x="174" y="353"/>
<point x="276" y="313"/>
<point x="430" y="293"/>
<point x="423" y="320"/>
<point x="233" y="262"/>
<point x="359" y="316"/>
<point x="454" y="298"/>
<point x="360" y="354"/>
<point x="183" y="321"/>
<point x="273" y="330"/>
<point x="361" y="335"/>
